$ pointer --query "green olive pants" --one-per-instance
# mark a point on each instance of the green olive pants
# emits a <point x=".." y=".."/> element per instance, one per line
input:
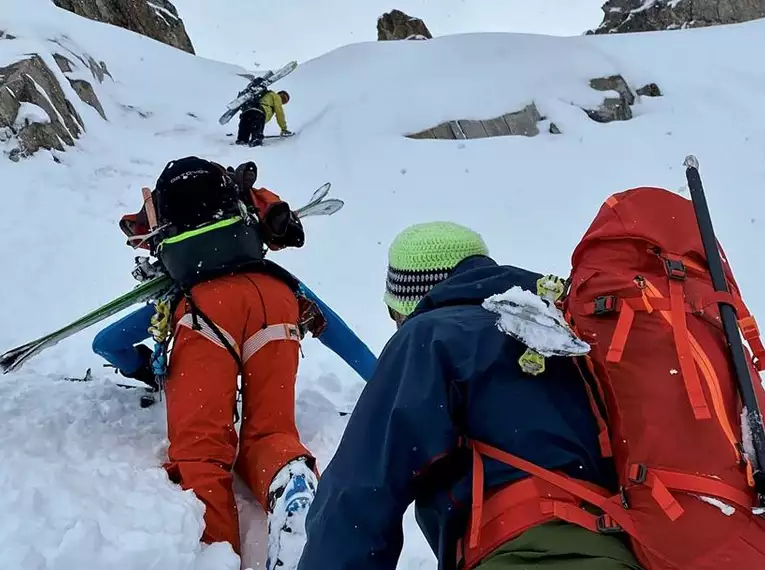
<point x="561" y="546"/>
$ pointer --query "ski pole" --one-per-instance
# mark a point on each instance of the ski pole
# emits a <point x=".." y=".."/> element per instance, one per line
<point x="729" y="320"/>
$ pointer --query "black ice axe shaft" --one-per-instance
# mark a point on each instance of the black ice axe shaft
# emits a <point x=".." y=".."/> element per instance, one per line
<point x="729" y="320"/>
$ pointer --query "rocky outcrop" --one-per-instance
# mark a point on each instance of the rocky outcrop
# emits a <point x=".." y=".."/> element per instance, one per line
<point x="650" y="90"/>
<point x="613" y="108"/>
<point x="156" y="19"/>
<point x="650" y="15"/>
<point x="82" y="87"/>
<point x="49" y="120"/>
<point x="523" y="122"/>
<point x="395" y="25"/>
<point x="35" y="111"/>
<point x="617" y="106"/>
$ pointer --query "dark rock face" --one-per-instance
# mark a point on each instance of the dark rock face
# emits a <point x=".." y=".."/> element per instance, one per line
<point x="612" y="108"/>
<point x="623" y="16"/>
<point x="30" y="81"/>
<point x="395" y="25"/>
<point x="83" y="88"/>
<point x="157" y="19"/>
<point x="650" y="90"/>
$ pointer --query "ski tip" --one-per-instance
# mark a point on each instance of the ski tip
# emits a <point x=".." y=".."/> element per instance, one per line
<point x="691" y="162"/>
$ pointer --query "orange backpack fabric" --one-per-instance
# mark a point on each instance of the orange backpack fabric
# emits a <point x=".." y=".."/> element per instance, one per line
<point x="642" y="297"/>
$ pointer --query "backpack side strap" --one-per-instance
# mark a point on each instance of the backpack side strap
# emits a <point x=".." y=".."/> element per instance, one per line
<point x="544" y="496"/>
<point x="210" y="330"/>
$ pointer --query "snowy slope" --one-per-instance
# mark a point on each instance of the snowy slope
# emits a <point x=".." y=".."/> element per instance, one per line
<point x="250" y="32"/>
<point x="80" y="462"/>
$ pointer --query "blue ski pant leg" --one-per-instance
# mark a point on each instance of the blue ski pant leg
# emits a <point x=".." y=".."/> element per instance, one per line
<point x="116" y="343"/>
<point x="340" y="339"/>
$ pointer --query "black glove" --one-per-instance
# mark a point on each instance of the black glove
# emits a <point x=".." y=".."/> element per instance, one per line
<point x="245" y="176"/>
<point x="282" y="227"/>
<point x="144" y="373"/>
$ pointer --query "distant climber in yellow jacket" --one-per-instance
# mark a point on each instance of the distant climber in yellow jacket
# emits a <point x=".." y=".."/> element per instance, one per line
<point x="254" y="117"/>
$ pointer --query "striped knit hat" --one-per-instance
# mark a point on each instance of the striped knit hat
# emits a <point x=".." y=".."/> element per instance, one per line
<point x="422" y="256"/>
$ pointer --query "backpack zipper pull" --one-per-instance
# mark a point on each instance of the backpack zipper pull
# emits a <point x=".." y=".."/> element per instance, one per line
<point x="640" y="282"/>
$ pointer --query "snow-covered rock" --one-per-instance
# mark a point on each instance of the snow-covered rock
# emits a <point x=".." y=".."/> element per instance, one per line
<point x="52" y="76"/>
<point x="32" y="81"/>
<point x="650" y="15"/>
<point x="525" y="122"/>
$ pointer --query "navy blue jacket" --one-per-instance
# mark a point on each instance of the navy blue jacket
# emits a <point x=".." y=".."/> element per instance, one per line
<point x="448" y="371"/>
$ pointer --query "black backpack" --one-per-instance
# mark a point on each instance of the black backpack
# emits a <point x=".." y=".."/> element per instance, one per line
<point x="204" y="229"/>
<point x="254" y="91"/>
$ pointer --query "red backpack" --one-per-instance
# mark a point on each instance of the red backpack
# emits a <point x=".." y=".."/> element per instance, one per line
<point x="661" y="370"/>
<point x="642" y="297"/>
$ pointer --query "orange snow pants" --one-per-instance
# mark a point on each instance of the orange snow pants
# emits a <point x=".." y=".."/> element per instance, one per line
<point x="258" y="315"/>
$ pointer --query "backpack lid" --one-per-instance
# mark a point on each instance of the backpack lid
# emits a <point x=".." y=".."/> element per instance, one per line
<point x="192" y="192"/>
<point x="648" y="214"/>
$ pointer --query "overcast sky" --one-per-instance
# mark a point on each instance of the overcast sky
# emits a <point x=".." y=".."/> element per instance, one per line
<point x="269" y="32"/>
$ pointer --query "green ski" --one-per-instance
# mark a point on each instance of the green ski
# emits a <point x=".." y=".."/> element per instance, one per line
<point x="14" y="358"/>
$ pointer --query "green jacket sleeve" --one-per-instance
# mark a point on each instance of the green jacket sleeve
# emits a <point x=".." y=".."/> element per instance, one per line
<point x="279" y="111"/>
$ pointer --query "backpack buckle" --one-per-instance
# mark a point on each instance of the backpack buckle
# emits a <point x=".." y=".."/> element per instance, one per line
<point x="606" y="525"/>
<point x="605" y="304"/>
<point x="638" y="473"/>
<point x="623" y="497"/>
<point x="675" y="269"/>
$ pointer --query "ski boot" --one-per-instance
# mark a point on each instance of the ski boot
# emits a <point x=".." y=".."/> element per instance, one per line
<point x="258" y="141"/>
<point x="289" y="497"/>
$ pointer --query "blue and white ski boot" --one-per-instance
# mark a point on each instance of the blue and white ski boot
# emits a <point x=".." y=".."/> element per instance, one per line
<point x="289" y="497"/>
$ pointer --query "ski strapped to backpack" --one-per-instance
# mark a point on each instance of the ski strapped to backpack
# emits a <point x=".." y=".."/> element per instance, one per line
<point x="680" y="424"/>
<point x="255" y="89"/>
<point x="155" y="283"/>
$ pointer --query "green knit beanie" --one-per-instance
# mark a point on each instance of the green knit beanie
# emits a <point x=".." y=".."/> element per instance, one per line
<point x="422" y="256"/>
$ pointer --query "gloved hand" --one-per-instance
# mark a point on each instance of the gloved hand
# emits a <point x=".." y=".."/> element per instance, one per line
<point x="245" y="176"/>
<point x="146" y="269"/>
<point x="144" y="372"/>
<point x="286" y="133"/>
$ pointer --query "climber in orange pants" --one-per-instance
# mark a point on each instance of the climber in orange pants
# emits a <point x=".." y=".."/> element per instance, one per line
<point x="256" y="314"/>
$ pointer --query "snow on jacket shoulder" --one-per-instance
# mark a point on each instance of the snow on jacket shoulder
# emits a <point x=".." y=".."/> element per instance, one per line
<point x="448" y="362"/>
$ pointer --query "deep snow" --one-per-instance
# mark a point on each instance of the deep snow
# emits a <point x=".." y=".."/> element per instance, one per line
<point x="80" y="470"/>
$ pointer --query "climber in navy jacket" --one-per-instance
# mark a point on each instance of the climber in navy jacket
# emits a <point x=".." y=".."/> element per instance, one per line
<point x="449" y="375"/>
